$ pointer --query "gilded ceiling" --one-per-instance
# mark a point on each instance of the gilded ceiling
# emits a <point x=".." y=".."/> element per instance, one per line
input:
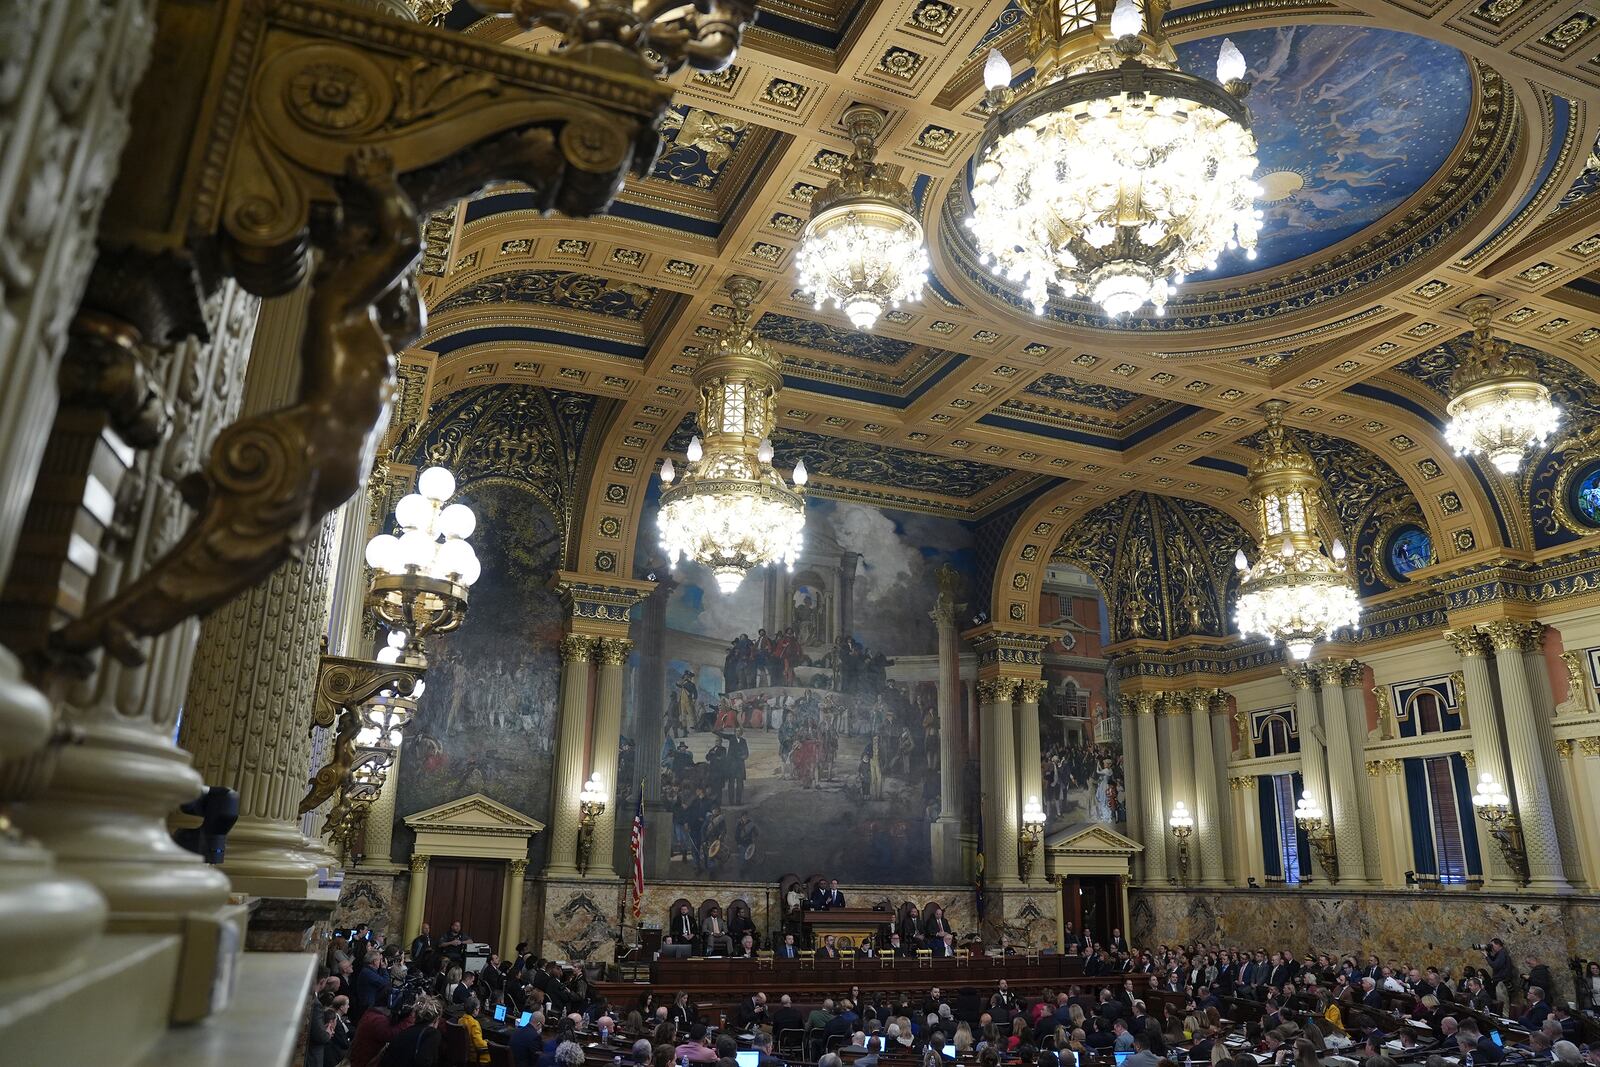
<point x="1414" y="156"/>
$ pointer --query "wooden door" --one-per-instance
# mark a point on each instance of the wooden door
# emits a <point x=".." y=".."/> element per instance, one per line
<point x="469" y="890"/>
<point x="1101" y="912"/>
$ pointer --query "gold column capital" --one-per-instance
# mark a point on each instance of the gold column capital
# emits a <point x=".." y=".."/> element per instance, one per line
<point x="1240" y="783"/>
<point x="1329" y="672"/>
<point x="1469" y="756"/>
<point x="613" y="651"/>
<point x="1145" y="703"/>
<point x="419" y="863"/>
<point x="1031" y="689"/>
<point x="1510" y="636"/>
<point x="517" y="869"/>
<point x="1376" y="767"/>
<point x="578" y="648"/>
<point x="1300" y="677"/>
<point x="1589" y="746"/>
<point x="997" y="690"/>
<point x="1173" y="704"/>
<point x="1564" y="748"/>
<point x="1469" y="641"/>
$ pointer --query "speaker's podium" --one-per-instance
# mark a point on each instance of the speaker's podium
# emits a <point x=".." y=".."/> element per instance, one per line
<point x="854" y="923"/>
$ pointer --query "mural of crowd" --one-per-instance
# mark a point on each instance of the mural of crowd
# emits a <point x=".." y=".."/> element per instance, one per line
<point x="1082" y="782"/>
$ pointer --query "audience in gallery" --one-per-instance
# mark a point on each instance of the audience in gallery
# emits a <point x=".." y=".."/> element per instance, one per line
<point x="375" y="1006"/>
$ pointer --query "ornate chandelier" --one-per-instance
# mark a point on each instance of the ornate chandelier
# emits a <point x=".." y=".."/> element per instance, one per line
<point x="1295" y="593"/>
<point x="421" y="578"/>
<point x="1498" y="406"/>
<point x="1112" y="173"/>
<point x="731" y="511"/>
<point x="863" y="247"/>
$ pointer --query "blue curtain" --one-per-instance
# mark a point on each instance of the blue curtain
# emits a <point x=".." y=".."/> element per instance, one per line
<point x="1267" y="797"/>
<point x="1422" y="855"/>
<point x="1469" y="835"/>
<point x="1301" y="838"/>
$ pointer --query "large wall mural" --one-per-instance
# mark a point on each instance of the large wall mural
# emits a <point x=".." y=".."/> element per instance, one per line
<point x="1350" y="122"/>
<point x="487" y="722"/>
<point x="800" y="727"/>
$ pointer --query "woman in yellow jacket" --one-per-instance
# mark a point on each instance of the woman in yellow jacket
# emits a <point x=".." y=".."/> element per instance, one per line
<point x="477" y="1046"/>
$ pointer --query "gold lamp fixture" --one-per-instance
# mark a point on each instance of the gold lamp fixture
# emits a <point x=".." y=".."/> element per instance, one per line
<point x="1111" y="173"/>
<point x="1309" y="816"/>
<point x="1294" y="592"/>
<point x="731" y="510"/>
<point x="1030" y="837"/>
<point x="591" y="805"/>
<point x="863" y="247"/>
<point x="1182" y="825"/>
<point x="1493" y="806"/>
<point x="421" y="578"/>
<point x="1498" y="407"/>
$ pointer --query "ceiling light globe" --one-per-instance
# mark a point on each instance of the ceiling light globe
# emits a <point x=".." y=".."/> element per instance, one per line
<point x="414" y="512"/>
<point x="457" y="521"/>
<point x="436" y="484"/>
<point x="383" y="553"/>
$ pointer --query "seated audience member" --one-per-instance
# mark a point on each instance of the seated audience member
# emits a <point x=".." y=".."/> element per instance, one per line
<point x="746" y="948"/>
<point x="715" y="934"/>
<point x="762" y="1043"/>
<point x="418" y="1044"/>
<point x="829" y="949"/>
<point x="463" y="989"/>
<point x="786" y="1017"/>
<point x="752" y="1012"/>
<point x="696" y="1049"/>
<point x="377" y="1028"/>
<point x="527" y="1042"/>
<point x="1536" y="1010"/>
<point x="682" y="1012"/>
<point x="683" y="927"/>
<point x="477" y="1044"/>
<point x="788" y="950"/>
<point x="874" y="1045"/>
<point x="568" y="1054"/>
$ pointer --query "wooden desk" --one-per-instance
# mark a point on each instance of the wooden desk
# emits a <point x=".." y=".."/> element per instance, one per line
<point x="854" y="923"/>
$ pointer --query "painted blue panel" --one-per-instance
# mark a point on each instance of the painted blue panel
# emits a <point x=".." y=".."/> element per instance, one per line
<point x="1266" y="796"/>
<point x="1423" y="859"/>
<point x="1361" y="117"/>
<point x="873" y="396"/>
<point x="1464" y="812"/>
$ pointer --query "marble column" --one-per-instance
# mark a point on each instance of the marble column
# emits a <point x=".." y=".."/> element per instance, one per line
<point x="1206" y="844"/>
<point x="999" y="771"/>
<point x="1030" y="777"/>
<point x="1355" y="717"/>
<point x="1481" y="712"/>
<point x="1152" y="800"/>
<point x="247" y="716"/>
<point x="416" y="898"/>
<point x="649" y="697"/>
<point x="1344" y="809"/>
<point x="1248" y="860"/>
<point x="946" y="829"/>
<point x="1385" y="779"/>
<point x="1582" y="772"/>
<point x="974" y="724"/>
<point x="1544" y="712"/>
<point x="1132" y="781"/>
<point x="1175" y="709"/>
<point x="1221" y="746"/>
<point x="511" y="906"/>
<point x="1313" y="755"/>
<point x="1530" y="785"/>
<point x="612" y="655"/>
<point x="577" y="652"/>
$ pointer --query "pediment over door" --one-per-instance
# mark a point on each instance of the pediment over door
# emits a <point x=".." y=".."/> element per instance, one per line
<point x="473" y="826"/>
<point x="1090" y="848"/>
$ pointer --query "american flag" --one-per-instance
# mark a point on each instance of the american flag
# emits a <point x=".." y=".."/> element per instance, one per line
<point x="636" y="843"/>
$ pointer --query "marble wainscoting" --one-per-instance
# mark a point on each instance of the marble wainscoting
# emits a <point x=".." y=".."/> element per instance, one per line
<point x="579" y="921"/>
<point x="1422" y="927"/>
<point x="377" y="898"/>
<point x="1022" y="918"/>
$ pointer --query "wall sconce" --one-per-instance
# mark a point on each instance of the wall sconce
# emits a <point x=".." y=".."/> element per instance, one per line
<point x="1308" y="815"/>
<point x="1031" y="836"/>
<point x="1494" y="807"/>
<point x="591" y="805"/>
<point x="1182" y="824"/>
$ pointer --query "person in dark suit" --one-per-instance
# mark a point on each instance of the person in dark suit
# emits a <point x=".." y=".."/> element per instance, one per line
<point x="786" y="1017"/>
<point x="937" y="925"/>
<point x="897" y="946"/>
<point x="828" y="950"/>
<point x="907" y="926"/>
<point x="1536" y="1011"/>
<point x="683" y="926"/>
<point x="422" y="944"/>
<point x="943" y="946"/>
<point x="1071" y="941"/>
<point x="681" y="1012"/>
<point x="1371" y="995"/>
<point x="831" y="897"/>
<point x="763" y="1046"/>
<point x="1117" y="943"/>
<point x="787" y="950"/>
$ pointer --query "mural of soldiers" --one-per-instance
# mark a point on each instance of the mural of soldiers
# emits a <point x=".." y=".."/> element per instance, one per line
<point x="764" y="658"/>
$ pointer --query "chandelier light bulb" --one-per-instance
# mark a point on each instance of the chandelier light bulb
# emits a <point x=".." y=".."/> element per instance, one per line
<point x="1338" y="550"/>
<point x="383" y="553"/>
<point x="1230" y="62"/>
<point x="800" y="477"/>
<point x="764" y="450"/>
<point x="668" y="471"/>
<point x="1299" y="649"/>
<point x="456" y="558"/>
<point x="396" y="639"/>
<point x="996" y="70"/>
<point x="696" y="450"/>
<point x="1126" y="19"/>
<point x="457" y="521"/>
<point x="436" y="484"/>
<point x="417" y="549"/>
<point x="388" y="654"/>
<point x="1240" y="562"/>
<point x="414" y="512"/>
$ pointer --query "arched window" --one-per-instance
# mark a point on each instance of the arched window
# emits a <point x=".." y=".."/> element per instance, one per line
<point x="1429" y="712"/>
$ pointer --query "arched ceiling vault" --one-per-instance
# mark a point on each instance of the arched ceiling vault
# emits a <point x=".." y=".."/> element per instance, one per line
<point x="1067" y="416"/>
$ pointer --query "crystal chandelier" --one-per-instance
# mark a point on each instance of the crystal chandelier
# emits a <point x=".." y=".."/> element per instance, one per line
<point x="731" y="511"/>
<point x="1498" y="406"/>
<point x="863" y="247"/>
<point x="1295" y="593"/>
<point x="1112" y="173"/>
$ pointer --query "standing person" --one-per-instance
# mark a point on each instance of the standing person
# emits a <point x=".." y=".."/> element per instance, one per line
<point x="455" y="944"/>
<point x="738" y="756"/>
<point x="422" y="944"/>
<point x="1500" y="970"/>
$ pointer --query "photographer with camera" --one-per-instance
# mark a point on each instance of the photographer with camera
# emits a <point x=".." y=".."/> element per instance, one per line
<point x="1500" y="970"/>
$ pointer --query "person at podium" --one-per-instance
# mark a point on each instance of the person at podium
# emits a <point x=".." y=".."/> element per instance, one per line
<point x="827" y="896"/>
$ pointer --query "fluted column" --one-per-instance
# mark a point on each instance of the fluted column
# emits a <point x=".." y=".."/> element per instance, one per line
<point x="1152" y="800"/>
<point x="1530" y="785"/>
<point x="1176" y="742"/>
<point x="1582" y="772"/>
<point x="612" y="654"/>
<point x="577" y="652"/>
<point x="247" y="717"/>
<point x="649" y="698"/>
<point x="1207" y="850"/>
<point x="511" y="906"/>
<point x="1481" y="712"/>
<point x="1221" y="746"/>
<point x="1030" y="777"/>
<point x="999" y="770"/>
<point x="1248" y="860"/>
<point x="1355" y="717"/>
<point x="1344" y="809"/>
<point x="1561" y="797"/>
<point x="1394" y="821"/>
<point x="1313" y="754"/>
<point x="416" y="898"/>
<point x="1132" y="779"/>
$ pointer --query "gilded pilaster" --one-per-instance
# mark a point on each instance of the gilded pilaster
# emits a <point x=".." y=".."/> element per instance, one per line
<point x="1476" y="693"/>
<point x="1248" y="860"/>
<point x="1207" y="850"/>
<point x="1530" y="783"/>
<point x="1221" y="746"/>
<point x="999" y="773"/>
<point x="577" y="656"/>
<point x="511" y="903"/>
<point x="1394" y="824"/>
<point x="1152" y="801"/>
<point x="611" y="655"/>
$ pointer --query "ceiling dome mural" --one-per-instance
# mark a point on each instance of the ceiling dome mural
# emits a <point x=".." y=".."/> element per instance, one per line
<point x="1349" y="122"/>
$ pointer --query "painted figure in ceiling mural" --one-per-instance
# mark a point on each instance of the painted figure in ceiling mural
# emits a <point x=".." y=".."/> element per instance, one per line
<point x="800" y="726"/>
<point x="488" y="720"/>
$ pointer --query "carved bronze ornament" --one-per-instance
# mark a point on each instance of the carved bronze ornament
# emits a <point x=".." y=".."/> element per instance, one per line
<point x="286" y="140"/>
